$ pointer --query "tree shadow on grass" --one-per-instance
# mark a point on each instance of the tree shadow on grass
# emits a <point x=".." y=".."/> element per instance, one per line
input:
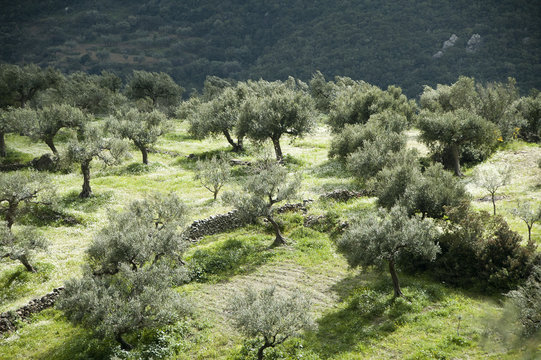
<point x="189" y="162"/>
<point x="72" y="201"/>
<point x="17" y="282"/>
<point x="77" y="343"/>
<point x="237" y="254"/>
<point x="330" y="168"/>
<point x="136" y="168"/>
<point x="41" y="215"/>
<point x="368" y="311"/>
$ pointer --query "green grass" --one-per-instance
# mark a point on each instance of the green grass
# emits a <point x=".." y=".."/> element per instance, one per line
<point x="356" y="315"/>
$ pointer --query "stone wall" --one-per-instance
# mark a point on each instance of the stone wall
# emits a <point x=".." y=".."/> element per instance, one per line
<point x="212" y="225"/>
<point x="229" y="221"/>
<point x="9" y="320"/>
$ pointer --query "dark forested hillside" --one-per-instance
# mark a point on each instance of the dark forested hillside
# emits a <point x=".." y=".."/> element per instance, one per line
<point x="409" y="43"/>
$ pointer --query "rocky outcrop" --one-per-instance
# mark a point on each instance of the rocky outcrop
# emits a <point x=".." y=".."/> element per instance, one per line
<point x="449" y="43"/>
<point x="474" y="43"/>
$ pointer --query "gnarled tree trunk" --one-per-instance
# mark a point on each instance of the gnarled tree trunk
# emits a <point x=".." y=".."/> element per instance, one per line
<point x="396" y="285"/>
<point x="144" y="152"/>
<point x="2" y="145"/>
<point x="456" y="160"/>
<point x="279" y="240"/>
<point x="85" y="169"/>
<point x="50" y="143"/>
<point x="123" y="344"/>
<point x="237" y="146"/>
<point x="24" y="260"/>
<point x="277" y="149"/>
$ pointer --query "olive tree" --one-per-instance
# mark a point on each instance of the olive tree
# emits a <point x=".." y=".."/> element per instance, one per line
<point x="275" y="109"/>
<point x="452" y="131"/>
<point x="529" y="213"/>
<point x="432" y="191"/>
<point x="94" y="94"/>
<point x="355" y="103"/>
<point x="133" y="263"/>
<point x="20" y="245"/>
<point x="17" y="191"/>
<point x="382" y="237"/>
<point x="492" y="101"/>
<point x="269" y="315"/>
<point x="386" y="128"/>
<point x="267" y="185"/>
<point x="143" y="128"/>
<point x="492" y="178"/>
<point x="213" y="173"/>
<point x="43" y="124"/>
<point x="21" y="188"/>
<point x="18" y="86"/>
<point x="529" y="109"/>
<point x="218" y="116"/>
<point x="93" y="142"/>
<point x="160" y="88"/>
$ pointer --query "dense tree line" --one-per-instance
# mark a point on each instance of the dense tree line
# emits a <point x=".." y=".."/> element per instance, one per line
<point x="382" y="43"/>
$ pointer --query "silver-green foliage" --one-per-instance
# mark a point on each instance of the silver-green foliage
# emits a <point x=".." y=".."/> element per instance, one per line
<point x="21" y="188"/>
<point x="354" y="102"/>
<point x="491" y="179"/>
<point x="382" y="237"/>
<point x="127" y="302"/>
<point x="527" y="301"/>
<point x="160" y="88"/>
<point x="529" y="213"/>
<point x="213" y="173"/>
<point x="43" y="124"/>
<point x="453" y="131"/>
<point x="132" y="265"/>
<point x="21" y="244"/>
<point x="274" y="109"/>
<point x="219" y="115"/>
<point x="93" y="142"/>
<point x="269" y="183"/>
<point x="382" y="129"/>
<point x="143" y="128"/>
<point x="269" y="315"/>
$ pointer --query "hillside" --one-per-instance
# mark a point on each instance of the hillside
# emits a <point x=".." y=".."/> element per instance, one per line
<point x="382" y="42"/>
<point x="355" y="314"/>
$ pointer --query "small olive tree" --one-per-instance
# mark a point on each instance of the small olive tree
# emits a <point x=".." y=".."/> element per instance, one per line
<point x="20" y="245"/>
<point x="491" y="178"/>
<point x="22" y="188"/>
<point x="93" y="142"/>
<point x="143" y="128"/>
<point x="384" y="236"/>
<point x="213" y="173"/>
<point x="269" y="315"/>
<point x="267" y="185"/>
<point x="132" y="265"/>
<point x="529" y="213"/>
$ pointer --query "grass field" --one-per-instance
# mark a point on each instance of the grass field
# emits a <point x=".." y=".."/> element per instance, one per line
<point x="355" y="314"/>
